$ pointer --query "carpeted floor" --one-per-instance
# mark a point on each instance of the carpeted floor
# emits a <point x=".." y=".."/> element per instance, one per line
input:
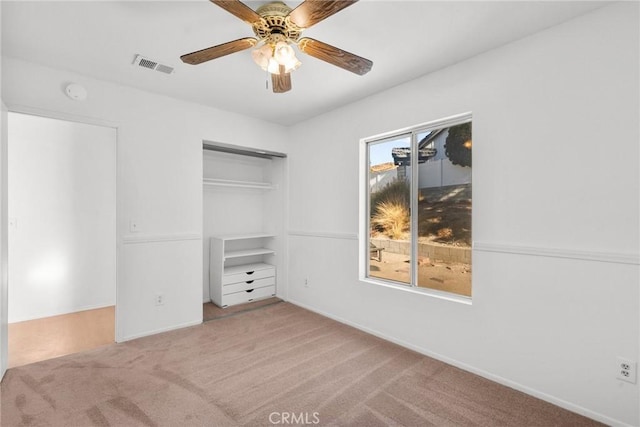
<point x="210" y="311"/>
<point x="263" y="367"/>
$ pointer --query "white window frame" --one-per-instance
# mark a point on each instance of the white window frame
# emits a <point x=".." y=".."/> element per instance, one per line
<point x="364" y="217"/>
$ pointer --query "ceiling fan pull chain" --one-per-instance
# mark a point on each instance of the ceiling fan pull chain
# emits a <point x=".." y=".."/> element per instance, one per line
<point x="266" y="81"/>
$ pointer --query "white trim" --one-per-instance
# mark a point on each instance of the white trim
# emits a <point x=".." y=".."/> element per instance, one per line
<point x="495" y="378"/>
<point x="131" y="239"/>
<point x="323" y="234"/>
<point x="51" y="114"/>
<point x="161" y="330"/>
<point x="434" y="124"/>
<point x="447" y="296"/>
<point x="609" y="257"/>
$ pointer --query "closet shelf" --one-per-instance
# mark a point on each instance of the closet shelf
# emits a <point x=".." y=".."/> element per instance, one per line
<point x="244" y="236"/>
<point x="248" y="252"/>
<point x="238" y="184"/>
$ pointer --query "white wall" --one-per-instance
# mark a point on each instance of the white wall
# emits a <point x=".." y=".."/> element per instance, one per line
<point x="62" y="217"/>
<point x="159" y="183"/>
<point x="4" y="233"/>
<point x="4" y="300"/>
<point x="555" y="281"/>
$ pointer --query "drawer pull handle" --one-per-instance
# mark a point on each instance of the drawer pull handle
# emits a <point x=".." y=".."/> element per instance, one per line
<point x="250" y="272"/>
<point x="249" y="282"/>
<point x="249" y="290"/>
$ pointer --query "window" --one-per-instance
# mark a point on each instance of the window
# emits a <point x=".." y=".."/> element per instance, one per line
<point x="419" y="219"/>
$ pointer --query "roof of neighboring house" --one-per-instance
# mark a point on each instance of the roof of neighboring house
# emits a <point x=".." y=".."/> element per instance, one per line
<point x="383" y="167"/>
<point x="402" y="155"/>
<point x="427" y="139"/>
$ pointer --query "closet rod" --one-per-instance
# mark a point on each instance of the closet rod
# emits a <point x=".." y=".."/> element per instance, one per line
<point x="244" y="151"/>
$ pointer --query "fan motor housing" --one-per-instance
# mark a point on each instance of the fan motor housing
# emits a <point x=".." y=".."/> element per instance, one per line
<point x="275" y="21"/>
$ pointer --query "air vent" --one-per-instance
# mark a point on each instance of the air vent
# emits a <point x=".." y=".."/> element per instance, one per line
<point x="141" y="61"/>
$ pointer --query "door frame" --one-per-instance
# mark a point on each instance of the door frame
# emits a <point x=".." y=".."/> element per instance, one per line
<point x="4" y="210"/>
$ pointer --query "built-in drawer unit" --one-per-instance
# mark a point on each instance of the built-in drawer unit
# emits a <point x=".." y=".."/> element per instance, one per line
<point x="248" y="282"/>
<point x="243" y="273"/>
<point x="248" y="295"/>
<point x="235" y="275"/>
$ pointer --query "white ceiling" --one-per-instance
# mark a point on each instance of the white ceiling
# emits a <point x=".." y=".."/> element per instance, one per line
<point x="404" y="39"/>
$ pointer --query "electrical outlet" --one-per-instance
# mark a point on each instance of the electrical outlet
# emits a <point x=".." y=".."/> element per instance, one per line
<point x="306" y="282"/>
<point x="159" y="299"/>
<point x="626" y="370"/>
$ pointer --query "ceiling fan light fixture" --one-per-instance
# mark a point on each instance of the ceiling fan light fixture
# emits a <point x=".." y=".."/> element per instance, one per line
<point x="262" y="56"/>
<point x="292" y="65"/>
<point x="285" y="55"/>
<point x="273" y="67"/>
<point x="271" y="56"/>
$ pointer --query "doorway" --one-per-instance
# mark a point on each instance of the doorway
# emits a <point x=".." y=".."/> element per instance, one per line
<point x="62" y="237"/>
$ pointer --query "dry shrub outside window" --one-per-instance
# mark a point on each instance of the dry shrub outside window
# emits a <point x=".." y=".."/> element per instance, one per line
<point x="391" y="218"/>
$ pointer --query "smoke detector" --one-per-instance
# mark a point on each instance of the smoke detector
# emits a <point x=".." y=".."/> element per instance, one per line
<point x="76" y="92"/>
<point x="143" y="62"/>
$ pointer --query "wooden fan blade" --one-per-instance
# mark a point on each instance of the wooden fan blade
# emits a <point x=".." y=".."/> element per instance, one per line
<point x="239" y="9"/>
<point x="310" y="12"/>
<point x="281" y="82"/>
<point x="335" y="56"/>
<point x="214" y="52"/>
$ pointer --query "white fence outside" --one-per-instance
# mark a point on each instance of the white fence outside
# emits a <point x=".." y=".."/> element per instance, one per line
<point x="435" y="173"/>
<point x="441" y="173"/>
<point x="379" y="180"/>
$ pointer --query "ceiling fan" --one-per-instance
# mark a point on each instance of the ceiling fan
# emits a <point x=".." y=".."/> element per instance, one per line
<point x="277" y="27"/>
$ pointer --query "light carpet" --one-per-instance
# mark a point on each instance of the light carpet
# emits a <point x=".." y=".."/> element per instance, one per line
<point x="263" y="367"/>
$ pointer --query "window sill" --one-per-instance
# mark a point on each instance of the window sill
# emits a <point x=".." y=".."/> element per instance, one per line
<point x="417" y="290"/>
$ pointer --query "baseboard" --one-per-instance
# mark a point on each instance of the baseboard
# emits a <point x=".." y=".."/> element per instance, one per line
<point x="488" y="375"/>
<point x="159" y="331"/>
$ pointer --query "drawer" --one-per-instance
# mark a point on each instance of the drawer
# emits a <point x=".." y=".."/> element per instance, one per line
<point x="228" y="279"/>
<point x="247" y="296"/>
<point x="249" y="284"/>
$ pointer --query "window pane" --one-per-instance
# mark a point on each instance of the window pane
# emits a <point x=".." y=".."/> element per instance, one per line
<point x="389" y="209"/>
<point x="444" y="209"/>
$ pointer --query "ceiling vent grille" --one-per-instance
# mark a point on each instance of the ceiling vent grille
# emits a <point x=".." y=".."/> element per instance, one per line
<point x="141" y="61"/>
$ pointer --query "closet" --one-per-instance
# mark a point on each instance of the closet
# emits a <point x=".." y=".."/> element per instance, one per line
<point x="243" y="224"/>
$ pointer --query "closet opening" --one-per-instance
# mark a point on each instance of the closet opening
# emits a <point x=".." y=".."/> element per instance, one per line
<point x="243" y="229"/>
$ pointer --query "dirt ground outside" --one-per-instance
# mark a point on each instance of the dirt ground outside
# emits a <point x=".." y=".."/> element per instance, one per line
<point x="448" y="277"/>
